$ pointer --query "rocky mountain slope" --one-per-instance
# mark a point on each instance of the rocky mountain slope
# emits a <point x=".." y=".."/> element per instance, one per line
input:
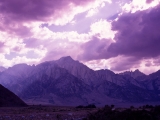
<point x="69" y="82"/>
<point x="135" y="74"/>
<point x="9" y="99"/>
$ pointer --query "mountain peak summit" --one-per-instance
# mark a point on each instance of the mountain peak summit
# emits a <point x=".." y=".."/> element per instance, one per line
<point x="137" y="71"/>
<point x="133" y="74"/>
<point x="68" y="58"/>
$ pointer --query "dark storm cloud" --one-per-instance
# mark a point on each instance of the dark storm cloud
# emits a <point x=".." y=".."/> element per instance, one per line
<point x="137" y="39"/>
<point x="35" y="9"/>
<point x="95" y="49"/>
<point x="138" y="34"/>
<point x="13" y="13"/>
<point x="124" y="63"/>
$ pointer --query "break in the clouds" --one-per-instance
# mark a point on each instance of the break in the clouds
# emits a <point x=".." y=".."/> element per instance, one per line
<point x="115" y="34"/>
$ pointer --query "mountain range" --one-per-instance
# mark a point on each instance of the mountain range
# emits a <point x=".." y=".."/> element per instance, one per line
<point x="69" y="82"/>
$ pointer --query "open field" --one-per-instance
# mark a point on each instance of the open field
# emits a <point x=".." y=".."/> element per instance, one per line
<point x="39" y="112"/>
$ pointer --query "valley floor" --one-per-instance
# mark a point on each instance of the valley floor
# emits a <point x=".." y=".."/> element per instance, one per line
<point x="38" y="112"/>
<point x="109" y="112"/>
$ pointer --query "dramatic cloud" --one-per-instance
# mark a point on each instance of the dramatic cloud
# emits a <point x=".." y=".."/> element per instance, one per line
<point x="137" y="34"/>
<point x="23" y="31"/>
<point x="117" y="64"/>
<point x="140" y="5"/>
<point x="97" y="46"/>
<point x="37" y="10"/>
<point x="136" y="45"/>
<point x="115" y="34"/>
<point x="96" y="49"/>
<point x="123" y="63"/>
<point x="17" y="16"/>
<point x="57" y="49"/>
<point x="102" y="29"/>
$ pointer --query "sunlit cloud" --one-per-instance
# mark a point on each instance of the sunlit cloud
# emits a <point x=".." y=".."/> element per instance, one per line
<point x="98" y="64"/>
<point x="139" y="5"/>
<point x="103" y="29"/>
<point x="91" y="12"/>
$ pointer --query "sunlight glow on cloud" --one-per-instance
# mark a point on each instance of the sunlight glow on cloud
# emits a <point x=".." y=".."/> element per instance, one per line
<point x="128" y="63"/>
<point x="149" y="65"/>
<point x="4" y="61"/>
<point x="98" y="64"/>
<point x="91" y="12"/>
<point x="137" y="5"/>
<point x="10" y="42"/>
<point x="92" y="9"/>
<point x="102" y="29"/>
<point x="71" y="36"/>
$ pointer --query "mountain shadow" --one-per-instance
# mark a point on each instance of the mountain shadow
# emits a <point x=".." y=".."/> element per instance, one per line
<point x="9" y="99"/>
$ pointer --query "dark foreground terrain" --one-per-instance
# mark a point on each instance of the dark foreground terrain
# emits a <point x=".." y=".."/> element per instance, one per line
<point x="39" y="112"/>
<point x="146" y="112"/>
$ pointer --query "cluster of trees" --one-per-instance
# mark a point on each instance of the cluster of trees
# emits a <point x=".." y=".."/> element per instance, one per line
<point x="143" y="113"/>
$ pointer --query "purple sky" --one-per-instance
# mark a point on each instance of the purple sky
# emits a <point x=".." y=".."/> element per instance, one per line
<point x="118" y="35"/>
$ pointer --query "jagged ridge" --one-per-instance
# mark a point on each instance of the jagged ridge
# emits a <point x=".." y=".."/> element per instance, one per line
<point x="69" y="82"/>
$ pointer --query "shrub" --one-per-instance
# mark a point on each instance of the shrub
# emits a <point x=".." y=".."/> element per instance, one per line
<point x="80" y="106"/>
<point x="90" y="106"/>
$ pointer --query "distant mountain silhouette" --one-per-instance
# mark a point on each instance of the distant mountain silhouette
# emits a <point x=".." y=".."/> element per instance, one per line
<point x="69" y="82"/>
<point x="9" y="99"/>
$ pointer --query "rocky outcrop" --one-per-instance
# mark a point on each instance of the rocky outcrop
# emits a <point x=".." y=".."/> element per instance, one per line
<point x="9" y="99"/>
